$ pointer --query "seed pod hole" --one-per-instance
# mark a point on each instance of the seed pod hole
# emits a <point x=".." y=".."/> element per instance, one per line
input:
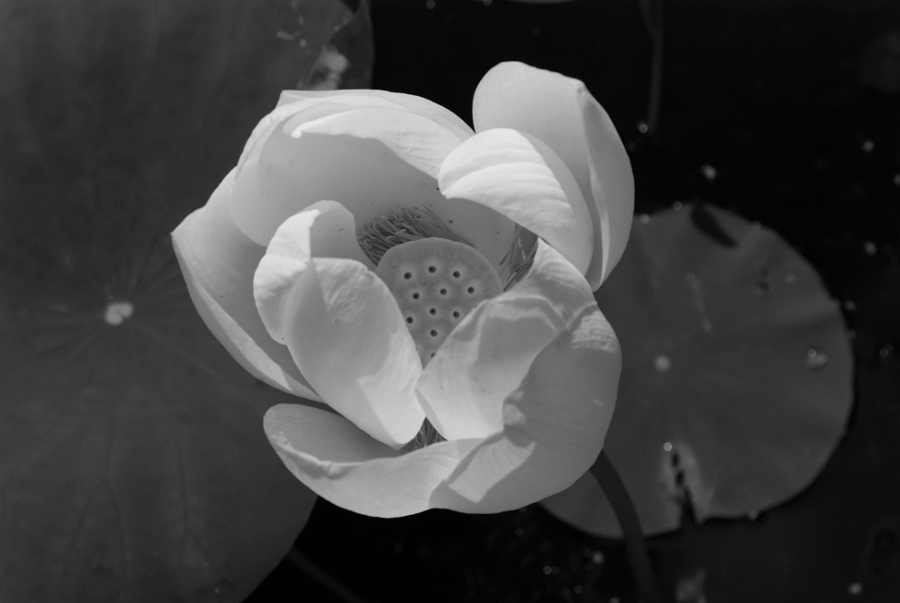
<point x="409" y="319"/>
<point x="432" y="269"/>
<point x="456" y="314"/>
<point x="432" y="311"/>
<point x="407" y="275"/>
<point x="434" y="333"/>
<point x="470" y="290"/>
<point x="415" y="295"/>
<point x="443" y="292"/>
<point x="457" y="274"/>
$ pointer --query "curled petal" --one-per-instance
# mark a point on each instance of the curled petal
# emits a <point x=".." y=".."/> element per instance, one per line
<point x="561" y="112"/>
<point x="522" y="178"/>
<point x="554" y="425"/>
<point x="217" y="262"/>
<point x="324" y="229"/>
<point x="415" y="104"/>
<point x="345" y="332"/>
<point x="348" y="468"/>
<point x="486" y="357"/>
<point x="417" y="140"/>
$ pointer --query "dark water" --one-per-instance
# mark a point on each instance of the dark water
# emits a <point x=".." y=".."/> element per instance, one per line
<point x="777" y="99"/>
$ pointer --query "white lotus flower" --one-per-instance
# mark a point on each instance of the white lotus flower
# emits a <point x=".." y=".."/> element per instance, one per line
<point x="433" y="286"/>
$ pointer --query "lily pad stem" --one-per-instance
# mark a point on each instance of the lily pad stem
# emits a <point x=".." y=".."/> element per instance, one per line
<point x="635" y="544"/>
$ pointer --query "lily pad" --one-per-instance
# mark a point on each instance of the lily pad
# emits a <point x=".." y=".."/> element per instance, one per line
<point x="133" y="462"/>
<point x="737" y="373"/>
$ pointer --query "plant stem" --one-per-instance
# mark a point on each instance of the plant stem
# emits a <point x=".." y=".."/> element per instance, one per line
<point x="635" y="544"/>
<point x="652" y="12"/>
<point x="329" y="583"/>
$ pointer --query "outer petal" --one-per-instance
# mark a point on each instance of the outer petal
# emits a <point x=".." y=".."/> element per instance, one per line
<point x="416" y="140"/>
<point x="347" y="335"/>
<point x="486" y="357"/>
<point x="554" y="427"/>
<point x="324" y="229"/>
<point x="217" y="262"/>
<point x="416" y="104"/>
<point x="560" y="111"/>
<point x="289" y="174"/>
<point x="522" y="178"/>
<point x="348" y="468"/>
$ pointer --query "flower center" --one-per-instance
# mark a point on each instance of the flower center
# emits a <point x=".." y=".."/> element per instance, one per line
<point x="437" y="278"/>
<point x="436" y="283"/>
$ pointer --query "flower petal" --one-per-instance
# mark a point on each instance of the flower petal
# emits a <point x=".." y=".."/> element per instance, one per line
<point x="522" y="178"/>
<point x="416" y="140"/>
<point x="416" y="104"/>
<point x="348" y="468"/>
<point x="324" y="229"/>
<point x="217" y="262"/>
<point x="561" y="112"/>
<point x="554" y="426"/>
<point x="484" y="359"/>
<point x="345" y="332"/>
<point x="555" y="423"/>
<point x="289" y="174"/>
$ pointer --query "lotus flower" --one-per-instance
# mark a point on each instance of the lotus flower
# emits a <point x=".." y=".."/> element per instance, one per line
<point x="426" y="288"/>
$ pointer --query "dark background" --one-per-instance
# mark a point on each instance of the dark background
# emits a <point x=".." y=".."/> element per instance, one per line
<point x="797" y="107"/>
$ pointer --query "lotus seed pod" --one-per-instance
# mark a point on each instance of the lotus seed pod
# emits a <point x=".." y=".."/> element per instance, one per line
<point x="436" y="283"/>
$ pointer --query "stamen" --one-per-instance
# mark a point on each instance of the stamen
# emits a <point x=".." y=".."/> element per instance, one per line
<point x="412" y="223"/>
<point x="427" y="436"/>
<point x="404" y="225"/>
<point x="518" y="258"/>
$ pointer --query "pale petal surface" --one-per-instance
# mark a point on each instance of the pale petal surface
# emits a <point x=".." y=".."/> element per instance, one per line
<point x="522" y="178"/>
<point x="561" y="112"/>
<point x="417" y="140"/>
<point x="486" y="356"/>
<point x="345" y="332"/>
<point x="218" y="262"/>
<point x="281" y="175"/>
<point x="553" y="427"/>
<point x="324" y="229"/>
<point x="416" y="104"/>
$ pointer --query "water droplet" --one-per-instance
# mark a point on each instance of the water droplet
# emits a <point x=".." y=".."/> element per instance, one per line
<point x="676" y="206"/>
<point x="855" y="588"/>
<point x="116" y="313"/>
<point x="662" y="363"/>
<point x="752" y="515"/>
<point x="642" y="127"/>
<point x="667" y="446"/>
<point x="709" y="172"/>
<point x="816" y="358"/>
<point x="870" y="248"/>
<point x="644" y="218"/>
<point x="886" y="352"/>
<point x="896" y="179"/>
<point x="789" y="278"/>
<point x="430" y="4"/>
<point x="867" y="146"/>
<point x="756" y="225"/>
<point x="849" y="305"/>
<point x="519" y="531"/>
<point x="547" y="570"/>
<point x="597" y="557"/>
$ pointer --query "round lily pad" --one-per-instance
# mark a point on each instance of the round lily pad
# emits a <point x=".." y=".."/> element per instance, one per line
<point x="133" y="462"/>
<point x="737" y="373"/>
